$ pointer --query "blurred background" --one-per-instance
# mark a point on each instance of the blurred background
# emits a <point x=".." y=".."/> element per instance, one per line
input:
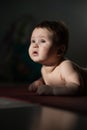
<point x="17" y="18"/>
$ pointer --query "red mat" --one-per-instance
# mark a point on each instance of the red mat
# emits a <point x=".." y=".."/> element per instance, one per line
<point x="74" y="103"/>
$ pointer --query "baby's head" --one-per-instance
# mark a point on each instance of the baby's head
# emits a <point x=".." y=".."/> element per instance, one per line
<point x="60" y="35"/>
<point x="49" y="42"/>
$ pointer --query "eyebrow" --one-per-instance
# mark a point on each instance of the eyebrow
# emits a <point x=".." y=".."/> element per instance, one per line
<point x="40" y="37"/>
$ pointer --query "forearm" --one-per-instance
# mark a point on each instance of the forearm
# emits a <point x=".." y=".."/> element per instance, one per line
<point x="50" y="90"/>
<point x="41" y="80"/>
<point x="34" y="85"/>
<point x="65" y="90"/>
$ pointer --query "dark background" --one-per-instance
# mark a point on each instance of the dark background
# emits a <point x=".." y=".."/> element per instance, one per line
<point x="17" y="18"/>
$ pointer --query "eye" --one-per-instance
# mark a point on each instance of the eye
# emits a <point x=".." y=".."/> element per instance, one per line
<point x="32" y="41"/>
<point x="43" y="41"/>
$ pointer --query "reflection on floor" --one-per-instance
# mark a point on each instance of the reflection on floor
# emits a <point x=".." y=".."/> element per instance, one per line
<point x="18" y="115"/>
<point x="53" y="119"/>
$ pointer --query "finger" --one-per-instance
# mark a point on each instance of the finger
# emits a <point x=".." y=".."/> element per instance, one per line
<point x="30" y="88"/>
<point x="40" y="90"/>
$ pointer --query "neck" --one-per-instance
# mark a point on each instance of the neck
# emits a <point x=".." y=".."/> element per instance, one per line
<point x="50" y="67"/>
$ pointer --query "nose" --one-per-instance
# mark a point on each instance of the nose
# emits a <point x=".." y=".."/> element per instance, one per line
<point x="35" y="45"/>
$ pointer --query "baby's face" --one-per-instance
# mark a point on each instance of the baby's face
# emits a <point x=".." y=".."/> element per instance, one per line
<point x="42" y="49"/>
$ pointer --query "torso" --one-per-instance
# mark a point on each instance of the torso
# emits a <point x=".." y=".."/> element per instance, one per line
<point x="54" y="78"/>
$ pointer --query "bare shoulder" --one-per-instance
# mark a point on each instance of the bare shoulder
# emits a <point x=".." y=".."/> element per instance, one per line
<point x="68" y="63"/>
<point x="68" y="67"/>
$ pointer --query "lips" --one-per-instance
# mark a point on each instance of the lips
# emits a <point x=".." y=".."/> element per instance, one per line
<point x="35" y="53"/>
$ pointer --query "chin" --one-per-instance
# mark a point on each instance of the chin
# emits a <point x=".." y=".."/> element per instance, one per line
<point x="35" y="60"/>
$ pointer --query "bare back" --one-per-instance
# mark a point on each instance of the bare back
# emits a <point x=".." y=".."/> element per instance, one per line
<point x="59" y="75"/>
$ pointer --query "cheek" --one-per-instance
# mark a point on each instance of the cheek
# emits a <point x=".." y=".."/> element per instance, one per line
<point x="46" y="53"/>
<point x="29" y="51"/>
<point x="51" y="51"/>
<point x="45" y="50"/>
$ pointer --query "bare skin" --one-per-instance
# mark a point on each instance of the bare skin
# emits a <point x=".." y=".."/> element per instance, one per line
<point x="60" y="76"/>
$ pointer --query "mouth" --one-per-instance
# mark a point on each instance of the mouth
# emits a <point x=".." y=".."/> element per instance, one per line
<point x="35" y="53"/>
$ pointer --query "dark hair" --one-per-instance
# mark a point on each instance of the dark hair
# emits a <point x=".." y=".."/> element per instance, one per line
<point x="60" y="32"/>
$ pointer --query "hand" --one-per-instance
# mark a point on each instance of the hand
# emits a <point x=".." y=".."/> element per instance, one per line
<point x="45" y="90"/>
<point x="34" y="86"/>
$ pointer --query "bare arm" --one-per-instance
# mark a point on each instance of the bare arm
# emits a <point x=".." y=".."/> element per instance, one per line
<point x="71" y="79"/>
<point x="34" y="86"/>
<point x="71" y="90"/>
<point x="59" y="90"/>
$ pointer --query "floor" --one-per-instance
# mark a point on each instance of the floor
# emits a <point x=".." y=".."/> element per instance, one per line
<point x="22" y="110"/>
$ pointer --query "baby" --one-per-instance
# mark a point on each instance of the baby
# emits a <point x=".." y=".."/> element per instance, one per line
<point x="60" y="76"/>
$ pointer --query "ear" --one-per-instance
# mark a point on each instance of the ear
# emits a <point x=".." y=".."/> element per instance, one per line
<point x="61" y="50"/>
